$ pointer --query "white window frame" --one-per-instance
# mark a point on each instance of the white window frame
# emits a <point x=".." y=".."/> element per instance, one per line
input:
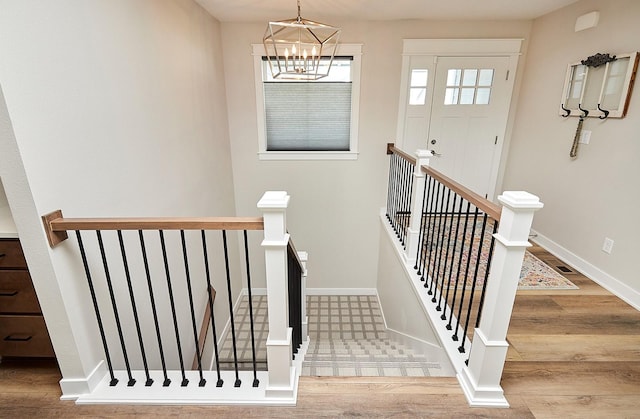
<point x="352" y="50"/>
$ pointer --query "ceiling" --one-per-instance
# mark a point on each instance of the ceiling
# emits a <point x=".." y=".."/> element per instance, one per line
<point x="344" y="10"/>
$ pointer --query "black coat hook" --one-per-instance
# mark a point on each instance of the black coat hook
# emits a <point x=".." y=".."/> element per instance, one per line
<point x="585" y="112"/>
<point x="567" y="111"/>
<point x="604" y="111"/>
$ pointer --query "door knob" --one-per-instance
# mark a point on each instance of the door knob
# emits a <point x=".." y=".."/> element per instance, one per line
<point x="433" y="141"/>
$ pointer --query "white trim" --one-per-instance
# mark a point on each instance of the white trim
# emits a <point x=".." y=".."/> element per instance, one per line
<point x="610" y="283"/>
<point x="342" y="291"/>
<point x="73" y="388"/>
<point x="354" y="50"/>
<point x="462" y="47"/>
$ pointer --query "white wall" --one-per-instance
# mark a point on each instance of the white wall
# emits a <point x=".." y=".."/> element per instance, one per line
<point x="596" y="195"/>
<point x="334" y="207"/>
<point x="114" y="108"/>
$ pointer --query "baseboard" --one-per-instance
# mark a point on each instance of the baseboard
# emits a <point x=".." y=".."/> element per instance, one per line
<point x="72" y="388"/>
<point x="611" y="284"/>
<point x="341" y="291"/>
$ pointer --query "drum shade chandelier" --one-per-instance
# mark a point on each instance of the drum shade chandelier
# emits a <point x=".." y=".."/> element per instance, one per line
<point x="299" y="48"/>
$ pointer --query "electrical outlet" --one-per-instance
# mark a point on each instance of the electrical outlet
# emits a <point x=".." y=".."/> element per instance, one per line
<point x="585" y="136"/>
<point x="607" y="247"/>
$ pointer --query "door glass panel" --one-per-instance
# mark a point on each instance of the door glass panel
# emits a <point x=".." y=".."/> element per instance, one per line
<point x="419" y="78"/>
<point x="486" y="77"/>
<point x="482" y="95"/>
<point x="418" y="88"/>
<point x="466" y="96"/>
<point x="470" y="76"/>
<point x="453" y="77"/>
<point x="451" y="96"/>
<point x="417" y="96"/>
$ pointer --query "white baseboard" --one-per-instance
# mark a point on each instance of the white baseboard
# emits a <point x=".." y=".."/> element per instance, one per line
<point x="611" y="284"/>
<point x="72" y="388"/>
<point x="341" y="291"/>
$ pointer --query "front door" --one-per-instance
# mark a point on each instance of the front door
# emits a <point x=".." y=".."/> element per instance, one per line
<point x="469" y="111"/>
<point x="454" y="100"/>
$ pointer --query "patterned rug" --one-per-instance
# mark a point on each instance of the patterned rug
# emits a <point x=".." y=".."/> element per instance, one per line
<point x="457" y="246"/>
<point x="536" y="275"/>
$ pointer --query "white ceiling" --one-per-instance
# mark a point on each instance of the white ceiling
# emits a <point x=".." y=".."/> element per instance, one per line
<point x="265" y="10"/>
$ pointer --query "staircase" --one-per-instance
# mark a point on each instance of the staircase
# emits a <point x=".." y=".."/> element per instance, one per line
<point x="348" y="338"/>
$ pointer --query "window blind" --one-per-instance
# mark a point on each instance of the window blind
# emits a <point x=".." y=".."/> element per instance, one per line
<point x="308" y="116"/>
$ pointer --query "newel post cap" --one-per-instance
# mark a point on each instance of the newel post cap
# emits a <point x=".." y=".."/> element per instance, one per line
<point x="274" y="200"/>
<point x="520" y="200"/>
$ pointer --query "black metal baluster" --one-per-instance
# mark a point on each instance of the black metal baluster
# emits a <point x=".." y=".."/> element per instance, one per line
<point x="389" y="188"/>
<point x="473" y="284"/>
<point x="394" y="193"/>
<point x="256" y="382"/>
<point x="202" y="381"/>
<point x="166" y="381"/>
<point x="422" y="220"/>
<point x="439" y="244"/>
<point x="134" y="309"/>
<point x="213" y="322"/>
<point x="401" y="199"/>
<point x="432" y="228"/>
<point x="185" y="381"/>
<point x="114" y="306"/>
<point x="113" y="380"/>
<point x="439" y="270"/>
<point x="426" y="220"/>
<point x="457" y="281"/>
<point x="233" y="327"/>
<point x="447" y="277"/>
<point x="466" y="274"/>
<point x="486" y="274"/>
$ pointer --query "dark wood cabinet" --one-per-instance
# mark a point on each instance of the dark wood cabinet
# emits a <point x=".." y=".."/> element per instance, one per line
<point x="22" y="329"/>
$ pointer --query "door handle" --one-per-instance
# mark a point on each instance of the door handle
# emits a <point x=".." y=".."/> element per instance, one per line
<point x="435" y="153"/>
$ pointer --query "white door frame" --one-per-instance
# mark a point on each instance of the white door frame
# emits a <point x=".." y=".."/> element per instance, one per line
<point x="428" y="51"/>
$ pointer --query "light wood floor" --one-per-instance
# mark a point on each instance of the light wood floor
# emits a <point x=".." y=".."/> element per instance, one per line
<point x="573" y="354"/>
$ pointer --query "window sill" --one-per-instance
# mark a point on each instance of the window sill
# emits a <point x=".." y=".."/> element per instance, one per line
<point x="308" y="155"/>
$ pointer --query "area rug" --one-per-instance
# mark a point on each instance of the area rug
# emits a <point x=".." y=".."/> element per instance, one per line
<point x="452" y="255"/>
<point x="536" y="274"/>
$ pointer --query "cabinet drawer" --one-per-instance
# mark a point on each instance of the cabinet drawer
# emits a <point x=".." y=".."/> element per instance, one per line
<point x="24" y="336"/>
<point x="17" y="294"/>
<point x="11" y="256"/>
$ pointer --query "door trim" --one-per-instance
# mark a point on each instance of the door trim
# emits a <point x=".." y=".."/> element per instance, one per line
<point x="430" y="50"/>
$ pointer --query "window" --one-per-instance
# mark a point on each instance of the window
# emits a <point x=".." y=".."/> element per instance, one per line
<point x="418" y="86"/>
<point x="309" y="119"/>
<point x="469" y="86"/>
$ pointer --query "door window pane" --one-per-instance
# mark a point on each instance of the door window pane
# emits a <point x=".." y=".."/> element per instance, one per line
<point x="419" y="78"/>
<point x="451" y="96"/>
<point x="466" y="96"/>
<point x="486" y="77"/>
<point x="417" y="96"/>
<point x="418" y="88"/>
<point x="470" y="76"/>
<point x="482" y="95"/>
<point x="453" y="77"/>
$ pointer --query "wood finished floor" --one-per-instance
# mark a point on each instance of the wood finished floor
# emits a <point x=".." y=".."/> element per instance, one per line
<point x="573" y="354"/>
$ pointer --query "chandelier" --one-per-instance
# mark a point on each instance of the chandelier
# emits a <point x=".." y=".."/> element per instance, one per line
<point x="299" y="48"/>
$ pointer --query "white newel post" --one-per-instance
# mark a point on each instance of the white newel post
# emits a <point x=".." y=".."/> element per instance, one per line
<point x="417" y="195"/>
<point x="304" y="257"/>
<point x="480" y="380"/>
<point x="273" y="205"/>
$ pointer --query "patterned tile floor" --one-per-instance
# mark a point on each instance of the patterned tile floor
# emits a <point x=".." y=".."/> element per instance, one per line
<point x="347" y="334"/>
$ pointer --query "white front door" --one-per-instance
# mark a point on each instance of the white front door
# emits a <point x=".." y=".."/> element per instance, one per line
<point x="454" y="99"/>
<point x="469" y="111"/>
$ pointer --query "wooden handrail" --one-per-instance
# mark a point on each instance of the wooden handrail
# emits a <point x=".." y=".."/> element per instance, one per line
<point x="293" y="251"/>
<point x="56" y="226"/>
<point x="491" y="209"/>
<point x="392" y="149"/>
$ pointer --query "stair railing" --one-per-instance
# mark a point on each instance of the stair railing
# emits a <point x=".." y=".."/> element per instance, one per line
<point x="465" y="254"/>
<point x="131" y="264"/>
